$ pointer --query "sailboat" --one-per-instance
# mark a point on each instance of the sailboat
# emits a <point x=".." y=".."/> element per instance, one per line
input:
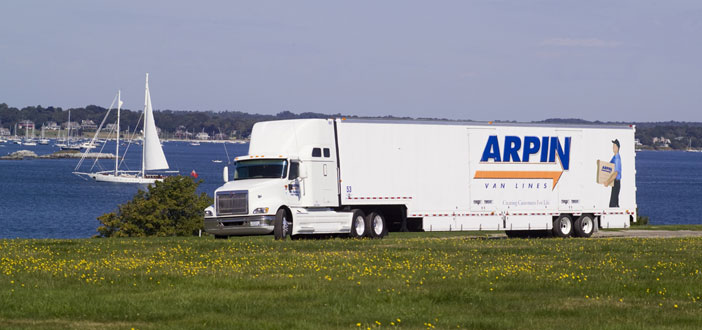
<point x="27" y="140"/>
<point x="152" y="156"/>
<point x="69" y="141"/>
<point x="43" y="139"/>
<point x="194" y="143"/>
<point x="16" y="139"/>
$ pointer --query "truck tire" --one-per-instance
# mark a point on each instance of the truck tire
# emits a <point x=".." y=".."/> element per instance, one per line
<point x="358" y="224"/>
<point x="376" y="225"/>
<point x="562" y="226"/>
<point x="281" y="225"/>
<point x="584" y="226"/>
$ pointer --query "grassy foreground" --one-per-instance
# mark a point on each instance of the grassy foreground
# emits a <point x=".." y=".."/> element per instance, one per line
<point x="406" y="280"/>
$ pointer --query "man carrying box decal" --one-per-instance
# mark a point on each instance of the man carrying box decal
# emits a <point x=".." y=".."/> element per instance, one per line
<point x="616" y="175"/>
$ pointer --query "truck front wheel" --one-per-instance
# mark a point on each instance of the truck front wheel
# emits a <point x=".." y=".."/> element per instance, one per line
<point x="377" y="226"/>
<point x="562" y="226"/>
<point x="281" y="225"/>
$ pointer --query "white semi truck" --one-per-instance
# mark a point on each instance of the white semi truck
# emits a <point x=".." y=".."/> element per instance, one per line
<point x="365" y="177"/>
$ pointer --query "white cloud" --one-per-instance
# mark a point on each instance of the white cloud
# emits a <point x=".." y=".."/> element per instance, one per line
<point x="585" y="42"/>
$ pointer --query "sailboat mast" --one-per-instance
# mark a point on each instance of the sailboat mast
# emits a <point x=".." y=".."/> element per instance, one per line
<point x="143" y="145"/>
<point x="119" y="105"/>
<point x="69" y="128"/>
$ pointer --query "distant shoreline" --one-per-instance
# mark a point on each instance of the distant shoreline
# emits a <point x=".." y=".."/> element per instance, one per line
<point x="207" y="141"/>
<point x="680" y="150"/>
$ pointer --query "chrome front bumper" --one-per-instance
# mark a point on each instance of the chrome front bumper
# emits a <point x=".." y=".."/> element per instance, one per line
<point x="242" y="225"/>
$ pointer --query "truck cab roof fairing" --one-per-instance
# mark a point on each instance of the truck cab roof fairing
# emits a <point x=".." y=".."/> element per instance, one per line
<point x="289" y="137"/>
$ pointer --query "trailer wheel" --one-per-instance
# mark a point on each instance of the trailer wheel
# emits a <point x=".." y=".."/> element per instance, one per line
<point x="221" y="236"/>
<point x="584" y="226"/>
<point x="281" y="225"/>
<point x="358" y="224"/>
<point x="377" y="226"/>
<point x="562" y="226"/>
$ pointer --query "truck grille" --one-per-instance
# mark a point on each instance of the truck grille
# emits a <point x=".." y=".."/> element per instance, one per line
<point x="232" y="202"/>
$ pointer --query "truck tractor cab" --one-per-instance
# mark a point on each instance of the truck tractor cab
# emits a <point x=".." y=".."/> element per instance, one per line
<point x="291" y="165"/>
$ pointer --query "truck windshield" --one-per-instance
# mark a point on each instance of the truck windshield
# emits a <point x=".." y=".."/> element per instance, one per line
<point x="261" y="169"/>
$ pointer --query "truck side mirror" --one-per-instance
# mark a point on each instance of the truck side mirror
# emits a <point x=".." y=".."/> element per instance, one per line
<point x="303" y="171"/>
<point x="225" y="174"/>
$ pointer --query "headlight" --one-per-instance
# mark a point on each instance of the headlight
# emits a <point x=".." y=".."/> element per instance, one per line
<point x="208" y="213"/>
<point x="260" y="210"/>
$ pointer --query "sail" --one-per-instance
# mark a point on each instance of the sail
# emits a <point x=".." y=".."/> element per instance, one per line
<point x="154" y="159"/>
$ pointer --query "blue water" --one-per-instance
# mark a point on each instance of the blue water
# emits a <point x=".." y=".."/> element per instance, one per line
<point x="42" y="199"/>
<point x="669" y="186"/>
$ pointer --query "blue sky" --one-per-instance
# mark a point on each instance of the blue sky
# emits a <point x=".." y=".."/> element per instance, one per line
<point x="483" y="60"/>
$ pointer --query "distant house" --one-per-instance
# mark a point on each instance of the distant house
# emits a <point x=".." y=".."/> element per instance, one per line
<point x="220" y="136"/>
<point x="88" y="125"/>
<point x="661" y="142"/>
<point x="110" y="126"/>
<point x="71" y="124"/>
<point x="638" y="143"/>
<point x="52" y="126"/>
<point x="202" y="136"/>
<point x="28" y="124"/>
<point x="4" y="131"/>
<point x="182" y="133"/>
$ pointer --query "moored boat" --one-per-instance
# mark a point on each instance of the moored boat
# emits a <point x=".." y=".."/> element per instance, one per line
<point x="152" y="157"/>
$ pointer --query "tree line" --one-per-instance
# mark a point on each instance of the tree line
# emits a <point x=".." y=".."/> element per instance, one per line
<point x="233" y="123"/>
<point x="238" y="124"/>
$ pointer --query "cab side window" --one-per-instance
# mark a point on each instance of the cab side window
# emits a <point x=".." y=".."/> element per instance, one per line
<point x="317" y="152"/>
<point x="326" y="152"/>
<point x="294" y="170"/>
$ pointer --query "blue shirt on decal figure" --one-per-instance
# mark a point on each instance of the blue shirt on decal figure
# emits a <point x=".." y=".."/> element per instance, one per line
<point x="617" y="161"/>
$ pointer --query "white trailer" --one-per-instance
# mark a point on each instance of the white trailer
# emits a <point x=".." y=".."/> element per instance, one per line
<point x="365" y="177"/>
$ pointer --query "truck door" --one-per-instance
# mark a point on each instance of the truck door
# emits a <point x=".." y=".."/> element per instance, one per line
<point x="320" y="187"/>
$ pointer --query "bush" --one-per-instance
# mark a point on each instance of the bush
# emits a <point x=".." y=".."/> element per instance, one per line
<point x="640" y="220"/>
<point x="168" y="208"/>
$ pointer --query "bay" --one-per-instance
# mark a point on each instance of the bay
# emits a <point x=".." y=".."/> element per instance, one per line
<point x="41" y="198"/>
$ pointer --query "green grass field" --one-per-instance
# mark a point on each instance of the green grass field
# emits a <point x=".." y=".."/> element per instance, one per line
<point x="411" y="281"/>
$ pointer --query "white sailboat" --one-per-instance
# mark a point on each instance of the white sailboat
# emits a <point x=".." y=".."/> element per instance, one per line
<point x="152" y="156"/>
<point x="27" y="140"/>
<point x="194" y="143"/>
<point x="69" y="140"/>
<point x="16" y="139"/>
<point x="43" y="140"/>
